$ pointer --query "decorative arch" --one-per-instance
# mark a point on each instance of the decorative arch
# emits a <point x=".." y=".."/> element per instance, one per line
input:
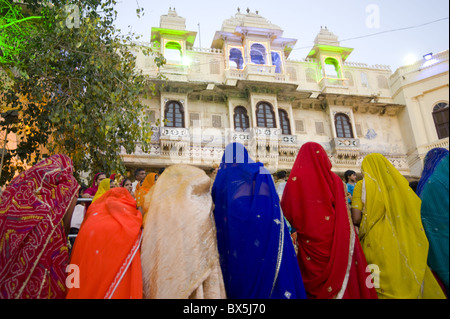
<point x="332" y="68"/>
<point x="343" y="126"/>
<point x="284" y="122"/>
<point x="265" y="116"/>
<point x="276" y="60"/>
<point x="241" y="120"/>
<point x="173" y="51"/>
<point x="258" y="53"/>
<point x="235" y="59"/>
<point x="174" y="114"/>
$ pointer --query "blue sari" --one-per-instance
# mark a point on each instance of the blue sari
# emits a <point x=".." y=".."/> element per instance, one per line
<point x="431" y="161"/>
<point x="435" y="212"/>
<point x="257" y="256"/>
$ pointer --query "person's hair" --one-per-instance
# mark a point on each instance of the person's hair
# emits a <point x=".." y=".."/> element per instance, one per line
<point x="136" y="172"/>
<point x="161" y="170"/>
<point x="281" y="174"/>
<point x="124" y="181"/>
<point x="347" y="174"/>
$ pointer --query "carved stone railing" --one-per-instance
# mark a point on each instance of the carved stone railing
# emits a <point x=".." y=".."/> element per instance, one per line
<point x="174" y="139"/>
<point x="346" y="150"/>
<point x="442" y="143"/>
<point x="240" y="137"/>
<point x="234" y="74"/>
<point x="259" y="69"/>
<point x="333" y="83"/>
<point x="288" y="148"/>
<point x="288" y="139"/>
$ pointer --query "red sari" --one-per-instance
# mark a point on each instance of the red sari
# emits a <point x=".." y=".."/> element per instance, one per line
<point x="330" y="257"/>
<point x="33" y="242"/>
<point x="107" y="249"/>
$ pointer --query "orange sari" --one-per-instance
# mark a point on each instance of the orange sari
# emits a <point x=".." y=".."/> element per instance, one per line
<point x="141" y="191"/>
<point x="107" y="249"/>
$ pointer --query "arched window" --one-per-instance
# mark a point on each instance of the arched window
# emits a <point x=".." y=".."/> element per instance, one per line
<point x="174" y="114"/>
<point x="276" y="60"/>
<point x="235" y="58"/>
<point x="331" y="68"/>
<point x="284" y="122"/>
<point x="258" y="54"/>
<point x="173" y="52"/>
<point x="440" y="117"/>
<point x="343" y="127"/>
<point x="241" y="122"/>
<point x="265" y="116"/>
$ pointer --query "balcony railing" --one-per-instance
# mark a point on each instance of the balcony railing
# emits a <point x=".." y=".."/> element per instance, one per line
<point x="174" y="133"/>
<point x="333" y="83"/>
<point x="346" y="150"/>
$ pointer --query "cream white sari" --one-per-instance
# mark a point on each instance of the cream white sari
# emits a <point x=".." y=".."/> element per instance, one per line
<point x="179" y="248"/>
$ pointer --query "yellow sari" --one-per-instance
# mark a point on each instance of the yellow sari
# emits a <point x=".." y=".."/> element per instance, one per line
<point x="391" y="233"/>
<point x="104" y="186"/>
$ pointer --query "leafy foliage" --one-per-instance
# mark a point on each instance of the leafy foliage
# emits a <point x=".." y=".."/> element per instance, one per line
<point x="76" y="87"/>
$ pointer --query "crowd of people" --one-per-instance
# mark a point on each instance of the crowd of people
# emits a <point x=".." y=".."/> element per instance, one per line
<point x="233" y="233"/>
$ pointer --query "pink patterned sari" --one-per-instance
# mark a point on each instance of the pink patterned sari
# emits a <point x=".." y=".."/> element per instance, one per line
<point x="33" y="243"/>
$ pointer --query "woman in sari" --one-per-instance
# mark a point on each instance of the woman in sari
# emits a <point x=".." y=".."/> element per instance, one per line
<point x="90" y="192"/>
<point x="126" y="183"/>
<point x="256" y="252"/>
<point x="329" y="253"/>
<point x="432" y="159"/>
<point x="147" y="184"/>
<point x="391" y="232"/>
<point x="179" y="246"/>
<point x="103" y="187"/>
<point x="434" y="211"/>
<point x="106" y="250"/>
<point x="35" y="215"/>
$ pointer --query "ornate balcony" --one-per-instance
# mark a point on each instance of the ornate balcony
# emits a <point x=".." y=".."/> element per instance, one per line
<point x="240" y="137"/>
<point x="174" y="139"/>
<point x="346" y="150"/>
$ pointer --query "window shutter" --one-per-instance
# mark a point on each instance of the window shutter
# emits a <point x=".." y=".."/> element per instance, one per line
<point x="320" y="128"/>
<point x="299" y="126"/>
<point x="441" y="122"/>
<point x="217" y="121"/>
<point x="194" y="119"/>
<point x="214" y="67"/>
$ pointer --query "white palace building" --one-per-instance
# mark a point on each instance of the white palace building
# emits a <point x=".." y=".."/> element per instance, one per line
<point x="244" y="88"/>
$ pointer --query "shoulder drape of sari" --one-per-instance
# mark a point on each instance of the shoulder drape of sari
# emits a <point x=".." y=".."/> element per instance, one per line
<point x="435" y="218"/>
<point x="179" y="247"/>
<point x="329" y="254"/>
<point x="431" y="161"/>
<point x="102" y="188"/>
<point x="142" y="190"/>
<point x="392" y="235"/>
<point x="33" y="243"/>
<point x="256" y="252"/>
<point x="106" y="250"/>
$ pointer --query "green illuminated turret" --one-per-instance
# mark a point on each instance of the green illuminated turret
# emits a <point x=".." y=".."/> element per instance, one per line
<point x="329" y="54"/>
<point x="172" y="37"/>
